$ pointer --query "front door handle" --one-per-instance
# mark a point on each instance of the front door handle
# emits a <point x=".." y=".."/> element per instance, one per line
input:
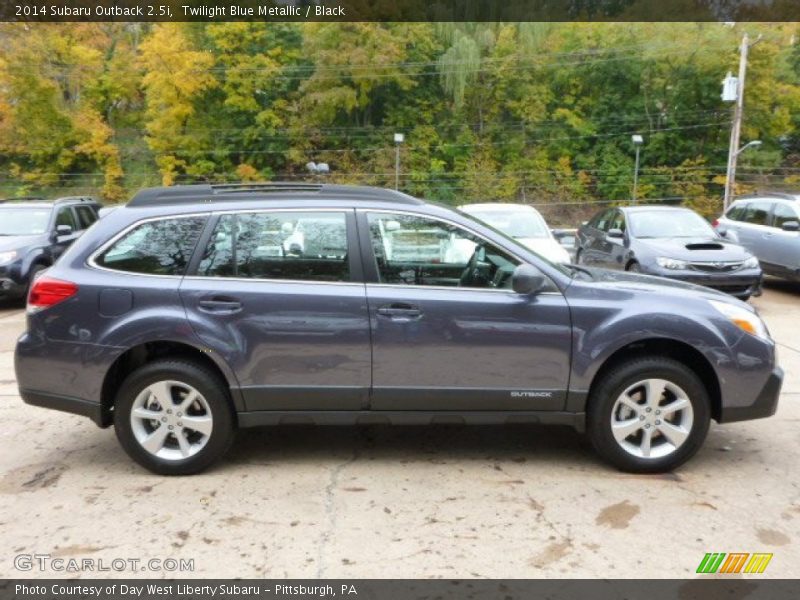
<point x="400" y="311"/>
<point x="220" y="304"/>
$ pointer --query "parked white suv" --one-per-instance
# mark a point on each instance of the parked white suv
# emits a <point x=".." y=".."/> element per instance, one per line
<point x="768" y="225"/>
<point x="523" y="223"/>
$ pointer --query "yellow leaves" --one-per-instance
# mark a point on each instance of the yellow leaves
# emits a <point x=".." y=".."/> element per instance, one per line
<point x="246" y="172"/>
<point x="175" y="75"/>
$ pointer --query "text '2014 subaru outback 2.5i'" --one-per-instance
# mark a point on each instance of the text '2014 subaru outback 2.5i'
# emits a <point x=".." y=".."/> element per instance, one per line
<point x="195" y="310"/>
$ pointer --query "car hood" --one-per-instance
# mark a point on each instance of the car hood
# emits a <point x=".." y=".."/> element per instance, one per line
<point x="548" y="248"/>
<point x="15" y="242"/>
<point x="701" y="249"/>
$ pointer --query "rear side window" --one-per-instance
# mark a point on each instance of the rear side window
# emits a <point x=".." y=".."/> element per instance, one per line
<point x="161" y="247"/>
<point x="783" y="214"/>
<point x="736" y="213"/>
<point x="86" y="216"/>
<point x="757" y="213"/>
<point x="301" y="246"/>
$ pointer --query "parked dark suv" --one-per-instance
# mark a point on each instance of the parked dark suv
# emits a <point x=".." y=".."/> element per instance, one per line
<point x="34" y="233"/>
<point x="196" y="310"/>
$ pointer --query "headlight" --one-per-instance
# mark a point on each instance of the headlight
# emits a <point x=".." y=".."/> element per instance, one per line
<point x="750" y="263"/>
<point x="7" y="257"/>
<point x="671" y="263"/>
<point x="742" y="318"/>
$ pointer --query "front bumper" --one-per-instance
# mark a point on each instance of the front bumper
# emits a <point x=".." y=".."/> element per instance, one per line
<point x="765" y="404"/>
<point x="739" y="284"/>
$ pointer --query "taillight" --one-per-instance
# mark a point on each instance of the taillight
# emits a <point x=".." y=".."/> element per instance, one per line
<point x="46" y="292"/>
<point x="714" y="223"/>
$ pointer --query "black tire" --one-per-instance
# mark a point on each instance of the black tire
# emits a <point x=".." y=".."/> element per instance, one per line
<point x="213" y="390"/>
<point x="633" y="267"/>
<point x="32" y="275"/>
<point x="613" y="383"/>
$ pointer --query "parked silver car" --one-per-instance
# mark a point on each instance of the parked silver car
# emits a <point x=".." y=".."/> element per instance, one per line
<point x="768" y="225"/>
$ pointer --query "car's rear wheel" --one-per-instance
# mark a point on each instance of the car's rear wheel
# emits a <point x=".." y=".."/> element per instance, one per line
<point x="174" y="417"/>
<point x="648" y="415"/>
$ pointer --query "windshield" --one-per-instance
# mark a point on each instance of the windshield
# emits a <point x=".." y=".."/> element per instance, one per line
<point x="24" y="221"/>
<point x="518" y="224"/>
<point x="669" y="224"/>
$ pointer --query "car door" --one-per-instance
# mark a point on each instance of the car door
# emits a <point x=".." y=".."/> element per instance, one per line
<point x="289" y="318"/>
<point x="64" y="217"/>
<point x="595" y="237"/>
<point x="613" y="249"/>
<point x="448" y="333"/>
<point x="782" y="248"/>
<point x="754" y="224"/>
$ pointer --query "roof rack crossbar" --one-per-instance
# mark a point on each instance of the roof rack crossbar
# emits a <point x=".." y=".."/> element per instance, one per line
<point x="228" y="188"/>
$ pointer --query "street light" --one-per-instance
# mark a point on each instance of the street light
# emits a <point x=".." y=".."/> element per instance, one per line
<point x="637" y="142"/>
<point x="399" y="138"/>
<point x="730" y="175"/>
<point x="753" y="144"/>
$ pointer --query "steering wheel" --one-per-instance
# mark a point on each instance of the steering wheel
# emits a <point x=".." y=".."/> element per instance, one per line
<point x="470" y="274"/>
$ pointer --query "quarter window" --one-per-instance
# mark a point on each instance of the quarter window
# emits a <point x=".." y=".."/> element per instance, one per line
<point x="415" y="250"/>
<point x="161" y="247"/>
<point x="303" y="246"/>
<point x="736" y="213"/>
<point x="783" y="214"/>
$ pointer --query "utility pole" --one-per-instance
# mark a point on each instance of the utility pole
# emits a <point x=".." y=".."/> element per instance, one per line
<point x="736" y="128"/>
<point x="637" y="140"/>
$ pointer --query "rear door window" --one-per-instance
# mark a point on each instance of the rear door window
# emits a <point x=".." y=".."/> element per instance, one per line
<point x="757" y="213"/>
<point x="161" y="247"/>
<point x="300" y="246"/>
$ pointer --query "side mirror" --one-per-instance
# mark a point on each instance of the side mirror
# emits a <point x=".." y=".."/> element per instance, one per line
<point x="63" y="230"/>
<point x="791" y="226"/>
<point x="615" y="234"/>
<point x="722" y="231"/>
<point x="527" y="279"/>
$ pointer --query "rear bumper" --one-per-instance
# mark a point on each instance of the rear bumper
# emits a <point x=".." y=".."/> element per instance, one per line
<point x="76" y="406"/>
<point x="765" y="404"/>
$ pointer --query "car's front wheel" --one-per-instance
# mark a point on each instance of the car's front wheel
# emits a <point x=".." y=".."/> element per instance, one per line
<point x="174" y="417"/>
<point x="648" y="415"/>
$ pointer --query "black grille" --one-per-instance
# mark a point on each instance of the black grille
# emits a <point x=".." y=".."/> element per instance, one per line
<point x="716" y="267"/>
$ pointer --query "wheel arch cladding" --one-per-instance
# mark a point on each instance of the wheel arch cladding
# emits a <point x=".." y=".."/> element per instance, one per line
<point x="670" y="348"/>
<point x="146" y="352"/>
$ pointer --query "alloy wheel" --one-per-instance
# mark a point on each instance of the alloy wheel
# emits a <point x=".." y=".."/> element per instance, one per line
<point x="652" y="418"/>
<point x="171" y="420"/>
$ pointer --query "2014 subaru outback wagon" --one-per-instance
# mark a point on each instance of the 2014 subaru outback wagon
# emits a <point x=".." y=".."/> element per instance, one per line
<point x="195" y="310"/>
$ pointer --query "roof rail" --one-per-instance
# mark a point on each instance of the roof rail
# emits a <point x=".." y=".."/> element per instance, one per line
<point x="73" y="199"/>
<point x="772" y="193"/>
<point x="229" y="192"/>
<point x="21" y="199"/>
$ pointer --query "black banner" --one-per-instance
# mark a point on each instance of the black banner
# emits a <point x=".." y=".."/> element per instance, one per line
<point x="389" y="589"/>
<point x="399" y="10"/>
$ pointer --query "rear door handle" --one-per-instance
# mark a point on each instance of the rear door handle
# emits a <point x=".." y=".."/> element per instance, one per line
<point x="400" y="311"/>
<point x="220" y="304"/>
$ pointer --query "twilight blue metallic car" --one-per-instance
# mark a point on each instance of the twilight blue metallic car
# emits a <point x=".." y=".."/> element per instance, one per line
<point x="195" y="310"/>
